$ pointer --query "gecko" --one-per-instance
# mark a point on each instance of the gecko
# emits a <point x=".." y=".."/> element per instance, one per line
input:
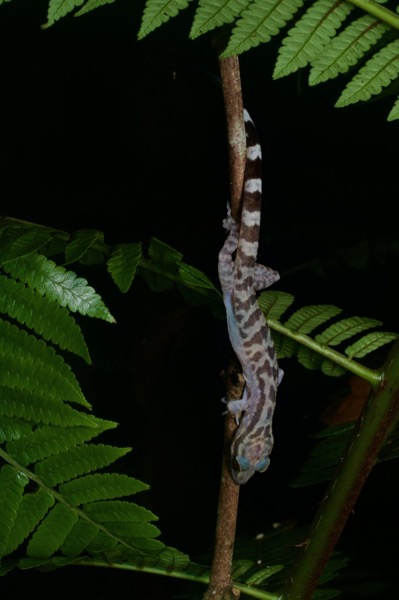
<point x="240" y="278"/>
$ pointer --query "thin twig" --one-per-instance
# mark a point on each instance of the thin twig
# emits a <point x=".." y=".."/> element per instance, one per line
<point x="220" y="584"/>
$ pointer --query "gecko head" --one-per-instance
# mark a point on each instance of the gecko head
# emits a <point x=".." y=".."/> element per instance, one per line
<point x="243" y="468"/>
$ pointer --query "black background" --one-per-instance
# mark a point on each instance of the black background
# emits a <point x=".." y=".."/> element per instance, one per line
<point x="101" y="131"/>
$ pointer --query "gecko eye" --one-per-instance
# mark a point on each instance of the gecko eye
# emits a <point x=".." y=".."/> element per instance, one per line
<point x="241" y="463"/>
<point x="262" y="465"/>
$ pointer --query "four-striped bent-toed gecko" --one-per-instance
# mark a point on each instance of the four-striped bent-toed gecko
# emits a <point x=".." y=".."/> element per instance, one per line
<point x="249" y="333"/>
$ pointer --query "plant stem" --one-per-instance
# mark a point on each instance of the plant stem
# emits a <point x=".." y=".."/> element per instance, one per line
<point x="377" y="10"/>
<point x="373" y="427"/>
<point x="220" y="582"/>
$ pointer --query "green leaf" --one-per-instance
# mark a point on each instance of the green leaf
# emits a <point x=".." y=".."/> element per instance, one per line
<point x="80" y="536"/>
<point x="12" y="484"/>
<point x="76" y="461"/>
<point x="344" y="329"/>
<point x="87" y="246"/>
<point x="115" y="510"/>
<point x="91" y="5"/>
<point x="16" y="241"/>
<point x="346" y="49"/>
<point x="100" y="487"/>
<point x="274" y="303"/>
<point x="331" y="369"/>
<point x="324" y="455"/>
<point x="258" y="23"/>
<point x="260" y="576"/>
<point x="376" y="74"/>
<point x="31" y="511"/>
<point x="132" y="530"/>
<point x="240" y="567"/>
<point x="306" y="40"/>
<point x="42" y="315"/>
<point x="122" y="264"/>
<point x="47" y="441"/>
<point x="59" y="8"/>
<point x="28" y="364"/>
<point x="308" y="318"/>
<point x="12" y="428"/>
<point x="157" y="12"/>
<point x="51" y="532"/>
<point x="370" y="342"/>
<point x="39" y="408"/>
<point x="214" y="14"/>
<point x="60" y="285"/>
<point x="394" y="113"/>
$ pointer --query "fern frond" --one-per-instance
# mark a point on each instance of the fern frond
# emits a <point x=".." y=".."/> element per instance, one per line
<point x="259" y="23"/>
<point x="12" y="484"/>
<point x="369" y="343"/>
<point x="79" y="538"/>
<point x="49" y="440"/>
<point x="344" y="329"/>
<point x="76" y="461"/>
<point x="157" y="12"/>
<point x="51" y="532"/>
<point x="376" y="74"/>
<point x="122" y="264"/>
<point x="394" y="112"/>
<point x="91" y="5"/>
<point x="306" y="319"/>
<point x="86" y="246"/>
<point x="274" y="304"/>
<point x="100" y="486"/>
<point x="39" y="408"/>
<point x="17" y="240"/>
<point x="60" y="8"/>
<point x="31" y="511"/>
<point x="291" y="337"/>
<point x="346" y="49"/>
<point x="29" y="364"/>
<point x="261" y="576"/>
<point x="165" y="268"/>
<point x="59" y="285"/>
<point x="306" y="40"/>
<point x="118" y="510"/>
<point x="215" y="14"/>
<point x="12" y="428"/>
<point x="45" y="317"/>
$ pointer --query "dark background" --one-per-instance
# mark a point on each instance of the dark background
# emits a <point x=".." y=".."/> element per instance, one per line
<point x="101" y="131"/>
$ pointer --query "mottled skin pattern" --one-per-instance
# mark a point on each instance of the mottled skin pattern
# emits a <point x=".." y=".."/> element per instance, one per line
<point x="241" y="277"/>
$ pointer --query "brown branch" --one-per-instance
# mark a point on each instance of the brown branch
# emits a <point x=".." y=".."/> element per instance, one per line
<point x="220" y="583"/>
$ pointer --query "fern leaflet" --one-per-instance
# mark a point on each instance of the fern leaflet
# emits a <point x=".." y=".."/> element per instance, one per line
<point x="346" y="49"/>
<point x="306" y="40"/>
<point x="215" y="14"/>
<point x="86" y="246"/>
<point x="157" y="12"/>
<point x="100" y="486"/>
<point x="370" y="342"/>
<point x="122" y="264"/>
<point x="76" y="461"/>
<point x="28" y="364"/>
<point x="59" y="285"/>
<point x="260" y="22"/>
<point x="394" y="112"/>
<point x="377" y="73"/>
<point x="91" y="5"/>
<point x="42" y="315"/>
<point x="60" y="8"/>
